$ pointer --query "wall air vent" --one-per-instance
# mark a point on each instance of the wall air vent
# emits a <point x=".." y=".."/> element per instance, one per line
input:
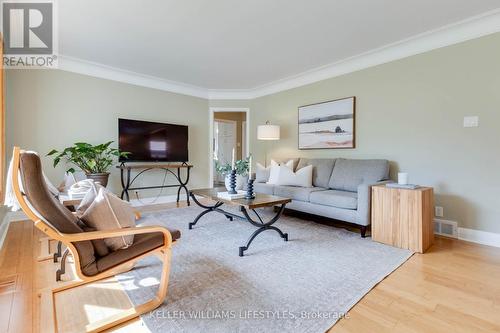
<point x="446" y="228"/>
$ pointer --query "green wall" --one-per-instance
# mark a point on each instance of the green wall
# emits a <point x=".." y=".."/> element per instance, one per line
<point x="408" y="111"/>
<point x="53" y="109"/>
<point x="411" y="112"/>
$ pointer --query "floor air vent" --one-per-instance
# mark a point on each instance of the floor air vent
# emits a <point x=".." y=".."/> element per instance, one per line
<point x="446" y="228"/>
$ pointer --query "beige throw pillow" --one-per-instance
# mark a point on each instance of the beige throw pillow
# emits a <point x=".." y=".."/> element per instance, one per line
<point x="108" y="212"/>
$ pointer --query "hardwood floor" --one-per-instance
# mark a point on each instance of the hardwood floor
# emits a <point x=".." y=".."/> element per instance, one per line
<point x="452" y="287"/>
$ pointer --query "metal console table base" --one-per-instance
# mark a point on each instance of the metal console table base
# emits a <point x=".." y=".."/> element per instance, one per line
<point x="127" y="180"/>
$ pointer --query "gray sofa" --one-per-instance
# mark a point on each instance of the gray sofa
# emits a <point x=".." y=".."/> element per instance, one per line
<point x="341" y="189"/>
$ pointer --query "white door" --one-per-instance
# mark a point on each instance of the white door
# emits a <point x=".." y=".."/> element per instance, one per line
<point x="224" y="142"/>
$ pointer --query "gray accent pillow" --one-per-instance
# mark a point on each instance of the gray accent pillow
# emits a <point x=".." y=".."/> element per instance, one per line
<point x="322" y="169"/>
<point x="348" y="173"/>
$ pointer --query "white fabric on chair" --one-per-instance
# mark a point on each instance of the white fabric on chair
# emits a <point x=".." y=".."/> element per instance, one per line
<point x="10" y="197"/>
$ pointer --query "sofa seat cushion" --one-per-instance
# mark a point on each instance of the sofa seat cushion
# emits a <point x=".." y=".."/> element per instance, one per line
<point x="339" y="199"/>
<point x="263" y="188"/>
<point x="296" y="193"/>
<point x="142" y="243"/>
<point x="348" y="174"/>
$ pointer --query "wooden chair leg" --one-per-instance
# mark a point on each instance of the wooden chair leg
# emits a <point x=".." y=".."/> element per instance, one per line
<point x="58" y="252"/>
<point x="62" y="269"/>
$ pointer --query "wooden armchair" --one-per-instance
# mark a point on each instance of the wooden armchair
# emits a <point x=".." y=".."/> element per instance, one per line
<point x="92" y="260"/>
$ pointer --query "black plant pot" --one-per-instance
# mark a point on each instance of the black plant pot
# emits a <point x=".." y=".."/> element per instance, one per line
<point x="101" y="178"/>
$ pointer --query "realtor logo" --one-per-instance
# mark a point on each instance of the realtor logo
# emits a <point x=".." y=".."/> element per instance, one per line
<point x="29" y="34"/>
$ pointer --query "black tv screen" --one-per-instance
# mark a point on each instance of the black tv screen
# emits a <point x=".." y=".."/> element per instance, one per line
<point x="152" y="142"/>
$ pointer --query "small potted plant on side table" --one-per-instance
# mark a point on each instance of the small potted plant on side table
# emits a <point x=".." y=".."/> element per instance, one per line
<point x="95" y="161"/>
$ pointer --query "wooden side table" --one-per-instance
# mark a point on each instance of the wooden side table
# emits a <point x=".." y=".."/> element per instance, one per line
<point x="403" y="218"/>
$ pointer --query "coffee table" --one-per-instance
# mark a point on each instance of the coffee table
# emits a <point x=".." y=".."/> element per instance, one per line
<point x="245" y="205"/>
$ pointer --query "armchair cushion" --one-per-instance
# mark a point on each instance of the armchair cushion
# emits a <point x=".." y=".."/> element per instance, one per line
<point x="142" y="243"/>
<point x="100" y="248"/>
<point x="50" y="209"/>
<point x="109" y="212"/>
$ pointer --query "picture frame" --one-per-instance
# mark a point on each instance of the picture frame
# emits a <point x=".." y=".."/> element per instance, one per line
<point x="327" y="125"/>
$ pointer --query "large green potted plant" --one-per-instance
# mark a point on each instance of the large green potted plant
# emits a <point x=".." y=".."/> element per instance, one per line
<point x="94" y="161"/>
<point x="241" y="167"/>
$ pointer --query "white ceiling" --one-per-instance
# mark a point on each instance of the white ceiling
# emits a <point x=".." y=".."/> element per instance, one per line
<point x="237" y="44"/>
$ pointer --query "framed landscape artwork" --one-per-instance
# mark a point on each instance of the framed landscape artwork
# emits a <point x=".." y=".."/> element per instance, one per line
<point x="328" y="125"/>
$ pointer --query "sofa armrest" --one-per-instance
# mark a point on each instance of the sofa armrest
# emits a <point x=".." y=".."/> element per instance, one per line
<point x="364" y="201"/>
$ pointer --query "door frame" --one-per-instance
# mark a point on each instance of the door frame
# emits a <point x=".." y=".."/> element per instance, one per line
<point x="227" y="121"/>
<point x="211" y="112"/>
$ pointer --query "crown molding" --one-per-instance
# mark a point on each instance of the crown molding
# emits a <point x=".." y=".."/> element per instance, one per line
<point x="471" y="28"/>
<point x="458" y="32"/>
<point x="80" y="66"/>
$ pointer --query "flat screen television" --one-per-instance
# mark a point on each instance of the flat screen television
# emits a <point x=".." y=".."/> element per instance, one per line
<point x="152" y="142"/>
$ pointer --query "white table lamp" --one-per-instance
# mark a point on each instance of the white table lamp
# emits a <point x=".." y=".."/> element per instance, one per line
<point x="268" y="132"/>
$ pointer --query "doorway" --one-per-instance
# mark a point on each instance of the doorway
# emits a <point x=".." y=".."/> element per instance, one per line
<point x="229" y="130"/>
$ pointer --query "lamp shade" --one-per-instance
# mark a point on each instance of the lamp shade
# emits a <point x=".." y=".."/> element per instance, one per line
<point x="268" y="132"/>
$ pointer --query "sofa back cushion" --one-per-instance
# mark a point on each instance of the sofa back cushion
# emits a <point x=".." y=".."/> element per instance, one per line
<point x="348" y="174"/>
<point x="322" y="169"/>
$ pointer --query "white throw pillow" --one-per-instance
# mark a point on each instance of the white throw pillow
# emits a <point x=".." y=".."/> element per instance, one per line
<point x="262" y="173"/>
<point x="275" y="171"/>
<point x="302" y="177"/>
<point x="89" y="198"/>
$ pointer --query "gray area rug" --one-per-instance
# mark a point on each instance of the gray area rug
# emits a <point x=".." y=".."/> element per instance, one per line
<point x="303" y="285"/>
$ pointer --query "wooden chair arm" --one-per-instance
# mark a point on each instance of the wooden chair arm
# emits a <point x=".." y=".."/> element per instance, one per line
<point x="90" y="235"/>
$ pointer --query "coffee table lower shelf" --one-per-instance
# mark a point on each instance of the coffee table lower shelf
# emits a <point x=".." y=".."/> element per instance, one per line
<point x="244" y="207"/>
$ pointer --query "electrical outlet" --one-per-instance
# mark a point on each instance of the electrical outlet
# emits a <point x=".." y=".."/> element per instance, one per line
<point x="439" y="211"/>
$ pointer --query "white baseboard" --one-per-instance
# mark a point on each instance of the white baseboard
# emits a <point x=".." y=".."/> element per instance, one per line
<point x="480" y="237"/>
<point x="3" y="229"/>
<point x="9" y="217"/>
<point x="16" y="216"/>
<point x="470" y="235"/>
